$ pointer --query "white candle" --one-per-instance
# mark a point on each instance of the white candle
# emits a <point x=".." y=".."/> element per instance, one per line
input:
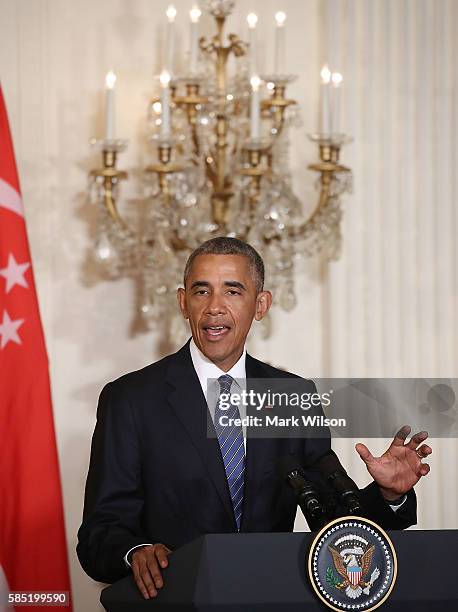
<point x="336" y="79"/>
<point x="325" y="102"/>
<point x="170" y="44"/>
<point x="252" y="20"/>
<point x="165" y="104"/>
<point x="110" y="81"/>
<point x="255" y="114"/>
<point x="279" y="64"/>
<point x="194" y="14"/>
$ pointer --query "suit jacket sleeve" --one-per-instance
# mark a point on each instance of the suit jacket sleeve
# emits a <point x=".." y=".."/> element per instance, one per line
<point x="379" y="510"/>
<point x="113" y="498"/>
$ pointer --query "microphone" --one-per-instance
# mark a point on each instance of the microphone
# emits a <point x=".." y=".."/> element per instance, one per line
<point x="333" y="472"/>
<point x="306" y="494"/>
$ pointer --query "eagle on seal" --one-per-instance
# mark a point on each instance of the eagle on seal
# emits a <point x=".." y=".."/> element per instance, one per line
<point x="353" y="565"/>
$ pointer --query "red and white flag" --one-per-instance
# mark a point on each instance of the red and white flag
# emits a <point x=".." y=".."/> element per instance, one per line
<point x="33" y="551"/>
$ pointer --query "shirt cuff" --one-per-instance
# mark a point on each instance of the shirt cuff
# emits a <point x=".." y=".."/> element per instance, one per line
<point x="395" y="507"/>
<point x="133" y="548"/>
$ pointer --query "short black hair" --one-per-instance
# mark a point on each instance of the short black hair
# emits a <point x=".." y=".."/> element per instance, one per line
<point x="224" y="245"/>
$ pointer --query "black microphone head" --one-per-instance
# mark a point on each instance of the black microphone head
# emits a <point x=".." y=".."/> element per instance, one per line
<point x="291" y="469"/>
<point x="288" y="464"/>
<point x="333" y="471"/>
<point x="328" y="464"/>
<point x="353" y="504"/>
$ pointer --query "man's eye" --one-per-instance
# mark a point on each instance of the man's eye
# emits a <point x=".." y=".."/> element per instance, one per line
<point x="201" y="292"/>
<point x="233" y="292"/>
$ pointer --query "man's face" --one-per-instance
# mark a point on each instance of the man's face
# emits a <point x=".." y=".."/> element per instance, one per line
<point x="220" y="300"/>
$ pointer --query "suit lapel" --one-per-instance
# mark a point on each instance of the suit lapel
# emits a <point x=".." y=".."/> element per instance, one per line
<point x="188" y="402"/>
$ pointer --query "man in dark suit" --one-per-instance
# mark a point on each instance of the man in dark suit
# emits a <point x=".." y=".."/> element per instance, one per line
<point x="157" y="479"/>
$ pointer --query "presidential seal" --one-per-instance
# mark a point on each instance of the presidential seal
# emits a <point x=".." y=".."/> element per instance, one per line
<point x="352" y="564"/>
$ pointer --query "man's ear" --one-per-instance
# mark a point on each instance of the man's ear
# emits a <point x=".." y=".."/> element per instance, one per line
<point x="181" y="297"/>
<point x="263" y="303"/>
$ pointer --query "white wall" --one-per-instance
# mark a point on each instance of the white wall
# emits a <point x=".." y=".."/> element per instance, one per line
<point x="387" y="308"/>
<point x="391" y="302"/>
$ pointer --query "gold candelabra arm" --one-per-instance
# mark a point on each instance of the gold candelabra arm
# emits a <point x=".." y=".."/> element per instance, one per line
<point x="164" y="167"/>
<point x="276" y="105"/>
<point x="210" y="168"/>
<point x="329" y="169"/>
<point x="255" y="169"/>
<point x="110" y="176"/>
<point x="191" y="103"/>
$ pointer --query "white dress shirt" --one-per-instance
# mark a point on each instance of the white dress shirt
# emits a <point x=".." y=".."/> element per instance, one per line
<point x="208" y="373"/>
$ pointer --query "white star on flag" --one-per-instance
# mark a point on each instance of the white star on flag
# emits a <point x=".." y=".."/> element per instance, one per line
<point x="14" y="273"/>
<point x="8" y="330"/>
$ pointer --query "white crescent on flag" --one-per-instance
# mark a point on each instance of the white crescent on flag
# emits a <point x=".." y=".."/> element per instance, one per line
<point x="10" y="198"/>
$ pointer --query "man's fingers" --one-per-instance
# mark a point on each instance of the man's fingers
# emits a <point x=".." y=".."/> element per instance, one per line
<point x="141" y="587"/>
<point x="146" y="563"/>
<point x="161" y="555"/>
<point x="142" y="578"/>
<point x="401" y="436"/>
<point x="417" y="439"/>
<point x="364" y="453"/>
<point x="145" y="566"/>
<point x="154" y="571"/>
<point x="145" y="575"/>
<point x="424" y="450"/>
<point x="424" y="469"/>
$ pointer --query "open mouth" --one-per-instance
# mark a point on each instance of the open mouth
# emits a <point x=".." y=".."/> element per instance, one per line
<point x="216" y="331"/>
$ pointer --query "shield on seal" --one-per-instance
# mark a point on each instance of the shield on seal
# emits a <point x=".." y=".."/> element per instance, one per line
<point x="354" y="574"/>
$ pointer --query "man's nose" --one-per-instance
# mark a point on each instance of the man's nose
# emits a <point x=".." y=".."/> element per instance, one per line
<point x="216" y="304"/>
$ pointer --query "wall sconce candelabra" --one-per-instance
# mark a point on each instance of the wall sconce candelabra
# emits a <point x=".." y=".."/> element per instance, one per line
<point x="221" y="148"/>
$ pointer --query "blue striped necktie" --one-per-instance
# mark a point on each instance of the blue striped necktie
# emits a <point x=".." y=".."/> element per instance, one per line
<point x="230" y="440"/>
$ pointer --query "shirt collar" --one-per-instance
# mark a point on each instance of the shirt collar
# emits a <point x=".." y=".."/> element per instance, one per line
<point x="205" y="368"/>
